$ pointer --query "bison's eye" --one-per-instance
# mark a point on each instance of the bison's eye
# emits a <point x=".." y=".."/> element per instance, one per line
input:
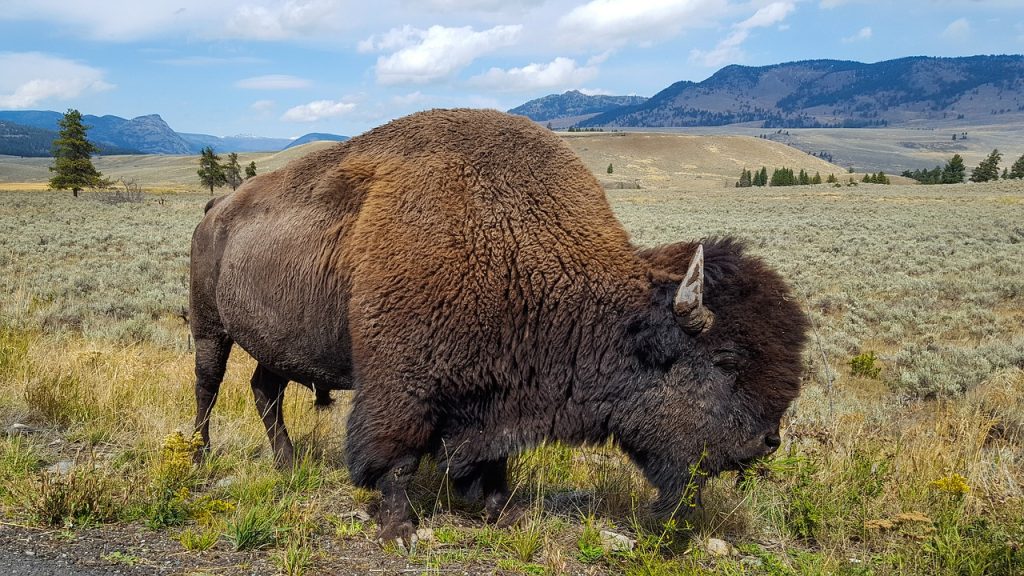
<point x="728" y="359"/>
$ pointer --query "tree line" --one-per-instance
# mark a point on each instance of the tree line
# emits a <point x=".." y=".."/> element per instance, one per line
<point x="955" y="171"/>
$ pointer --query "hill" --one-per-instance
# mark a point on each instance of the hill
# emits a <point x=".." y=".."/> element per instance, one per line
<point x="315" y="137"/>
<point x="573" y="104"/>
<point x="648" y="160"/>
<point x="659" y="160"/>
<point x="836" y="93"/>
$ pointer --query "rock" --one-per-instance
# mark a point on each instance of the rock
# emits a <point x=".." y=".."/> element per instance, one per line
<point x="719" y="547"/>
<point x="615" y="542"/>
<point x="19" y="429"/>
<point x="752" y="561"/>
<point x="425" y="534"/>
<point x="360" y="515"/>
<point x="62" y="467"/>
<point x="225" y="482"/>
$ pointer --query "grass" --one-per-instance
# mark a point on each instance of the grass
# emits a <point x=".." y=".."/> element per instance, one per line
<point x="903" y="455"/>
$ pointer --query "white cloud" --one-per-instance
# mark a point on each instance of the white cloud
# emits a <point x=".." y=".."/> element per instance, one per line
<point x="729" y="50"/>
<point x="27" y="79"/>
<point x="409" y="99"/>
<point x="462" y="6"/>
<point x="262" y="106"/>
<point x="619" y="21"/>
<point x="273" y="82"/>
<point x="864" y="33"/>
<point x="959" y="30"/>
<point x="127" y="21"/>
<point x="292" y="19"/>
<point x="435" y="53"/>
<point x="210" y="61"/>
<point x="559" y="73"/>
<point x="318" y="110"/>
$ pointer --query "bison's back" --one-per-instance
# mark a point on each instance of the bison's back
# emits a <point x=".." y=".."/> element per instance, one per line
<point x="485" y="260"/>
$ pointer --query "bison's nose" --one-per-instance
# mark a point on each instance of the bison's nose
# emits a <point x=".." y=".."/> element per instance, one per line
<point x="772" y="443"/>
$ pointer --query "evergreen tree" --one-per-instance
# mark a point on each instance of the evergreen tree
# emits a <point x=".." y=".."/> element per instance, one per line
<point x="803" y="179"/>
<point x="1017" y="170"/>
<point x="868" y="178"/>
<point x="763" y="176"/>
<point x="745" y="180"/>
<point x="233" y="172"/>
<point x="954" y="170"/>
<point x="211" y="173"/>
<point x="832" y="179"/>
<point x="881" y="178"/>
<point x="72" y="154"/>
<point x="988" y="169"/>
<point x="816" y="179"/>
<point x="610" y="169"/>
<point x="250" y="170"/>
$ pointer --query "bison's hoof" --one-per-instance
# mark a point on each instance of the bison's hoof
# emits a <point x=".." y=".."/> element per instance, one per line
<point x="401" y="534"/>
<point x="505" y="517"/>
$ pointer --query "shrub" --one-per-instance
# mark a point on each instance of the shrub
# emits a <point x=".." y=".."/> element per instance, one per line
<point x="864" y="365"/>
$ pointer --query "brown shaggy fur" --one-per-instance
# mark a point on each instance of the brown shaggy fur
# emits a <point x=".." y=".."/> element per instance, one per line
<point x="466" y="269"/>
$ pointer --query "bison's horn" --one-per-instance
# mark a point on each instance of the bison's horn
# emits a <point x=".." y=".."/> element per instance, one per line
<point x="689" y="301"/>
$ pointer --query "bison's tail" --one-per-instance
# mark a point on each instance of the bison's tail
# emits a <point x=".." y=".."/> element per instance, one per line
<point x="213" y="202"/>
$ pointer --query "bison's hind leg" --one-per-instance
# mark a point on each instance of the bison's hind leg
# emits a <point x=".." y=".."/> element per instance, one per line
<point x="211" y="362"/>
<point x="488" y="480"/>
<point x="268" y="391"/>
<point x="387" y="434"/>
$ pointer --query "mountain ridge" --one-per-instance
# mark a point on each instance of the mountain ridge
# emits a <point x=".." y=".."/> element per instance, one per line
<point x="24" y="131"/>
<point x="835" y="93"/>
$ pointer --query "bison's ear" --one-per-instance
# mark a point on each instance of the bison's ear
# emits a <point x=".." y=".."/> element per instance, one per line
<point x="689" y="301"/>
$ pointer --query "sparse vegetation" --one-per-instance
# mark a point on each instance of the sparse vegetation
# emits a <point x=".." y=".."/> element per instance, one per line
<point x="912" y="466"/>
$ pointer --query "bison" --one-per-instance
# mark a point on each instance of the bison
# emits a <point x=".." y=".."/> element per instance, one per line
<point x="463" y="271"/>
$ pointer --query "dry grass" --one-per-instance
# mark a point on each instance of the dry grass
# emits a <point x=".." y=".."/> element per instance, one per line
<point x="920" y="471"/>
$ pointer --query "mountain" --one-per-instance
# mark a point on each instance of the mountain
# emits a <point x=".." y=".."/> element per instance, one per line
<point x="23" y="133"/>
<point x="573" y="104"/>
<point x="146" y="134"/>
<point x="314" y="137"/>
<point x="234" y="143"/>
<point x="18" y="140"/>
<point x="836" y="93"/>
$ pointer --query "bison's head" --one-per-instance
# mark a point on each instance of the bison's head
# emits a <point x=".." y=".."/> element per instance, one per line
<point x="727" y="346"/>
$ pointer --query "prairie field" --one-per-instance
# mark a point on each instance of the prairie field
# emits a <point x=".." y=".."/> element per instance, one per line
<point x="903" y="455"/>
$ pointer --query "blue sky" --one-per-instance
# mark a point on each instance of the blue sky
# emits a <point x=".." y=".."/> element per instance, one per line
<point x="285" y="68"/>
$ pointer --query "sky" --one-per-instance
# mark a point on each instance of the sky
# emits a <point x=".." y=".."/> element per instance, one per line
<point x="284" y="68"/>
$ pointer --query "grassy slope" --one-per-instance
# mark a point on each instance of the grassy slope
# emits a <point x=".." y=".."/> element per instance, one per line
<point x="916" y="471"/>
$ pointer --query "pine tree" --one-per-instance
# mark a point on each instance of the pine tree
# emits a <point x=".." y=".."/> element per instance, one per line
<point x="988" y="169"/>
<point x="72" y="153"/>
<point x="763" y="176"/>
<point x="211" y="173"/>
<point x="745" y="180"/>
<point x="816" y="179"/>
<point x="233" y="172"/>
<point x="250" y="170"/>
<point x="1017" y="170"/>
<point x="954" y="170"/>
<point x="803" y="178"/>
<point x="832" y="179"/>
<point x="610" y="169"/>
